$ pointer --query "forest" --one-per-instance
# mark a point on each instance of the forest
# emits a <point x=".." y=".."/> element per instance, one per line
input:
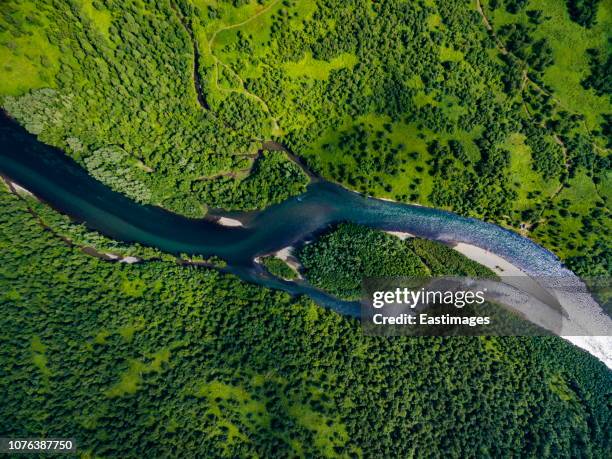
<point x="163" y="359"/>
<point x="338" y="260"/>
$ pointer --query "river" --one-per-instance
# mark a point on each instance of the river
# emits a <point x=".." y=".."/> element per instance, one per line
<point x="58" y="180"/>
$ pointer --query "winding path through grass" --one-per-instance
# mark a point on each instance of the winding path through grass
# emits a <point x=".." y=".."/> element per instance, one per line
<point x="243" y="90"/>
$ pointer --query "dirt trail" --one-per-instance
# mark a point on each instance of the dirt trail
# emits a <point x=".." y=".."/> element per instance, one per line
<point x="489" y="27"/>
<point x="240" y="24"/>
<point x="484" y="17"/>
<point x="243" y="90"/>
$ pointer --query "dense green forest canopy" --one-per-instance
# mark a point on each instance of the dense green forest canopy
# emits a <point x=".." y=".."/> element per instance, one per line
<point x="339" y="259"/>
<point x="498" y="109"/>
<point x="161" y="359"/>
<point x="279" y="268"/>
